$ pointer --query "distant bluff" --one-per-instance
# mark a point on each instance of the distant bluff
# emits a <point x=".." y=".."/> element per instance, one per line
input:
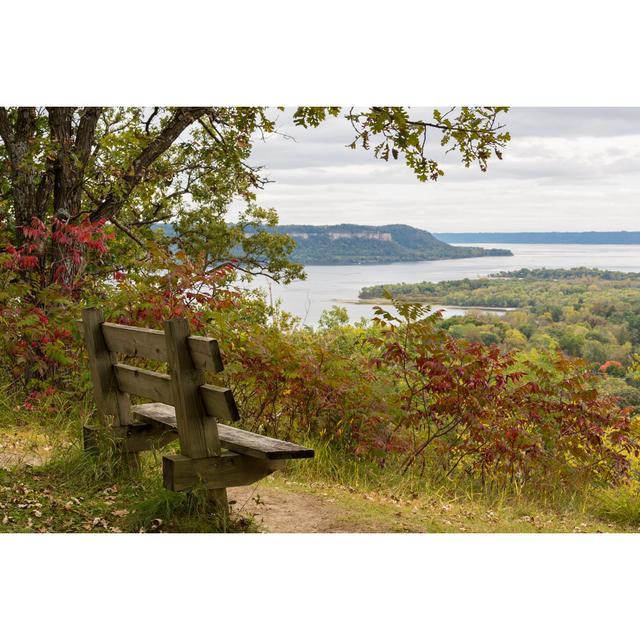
<point x="366" y="244"/>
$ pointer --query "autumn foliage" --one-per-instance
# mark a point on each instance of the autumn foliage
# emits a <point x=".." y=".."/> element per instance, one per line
<point x="41" y="288"/>
<point x="402" y="392"/>
<point x="499" y="416"/>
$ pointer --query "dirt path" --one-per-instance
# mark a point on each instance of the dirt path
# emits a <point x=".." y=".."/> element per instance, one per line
<point x="277" y="510"/>
<point x="282" y="509"/>
<point x="13" y="452"/>
<point x="274" y="508"/>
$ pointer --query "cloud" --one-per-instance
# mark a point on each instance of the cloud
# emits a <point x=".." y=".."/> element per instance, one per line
<point x="565" y="169"/>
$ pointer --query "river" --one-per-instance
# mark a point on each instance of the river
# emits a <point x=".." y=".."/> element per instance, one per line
<point x="339" y="285"/>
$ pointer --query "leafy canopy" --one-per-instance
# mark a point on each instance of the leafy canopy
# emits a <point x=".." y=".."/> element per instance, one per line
<point x="135" y="167"/>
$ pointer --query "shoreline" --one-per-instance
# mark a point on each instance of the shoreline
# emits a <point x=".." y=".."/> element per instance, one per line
<point x="387" y="302"/>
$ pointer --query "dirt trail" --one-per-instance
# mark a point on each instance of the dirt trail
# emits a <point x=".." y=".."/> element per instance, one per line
<point x="13" y="452"/>
<point x="280" y="510"/>
<point x="277" y="510"/>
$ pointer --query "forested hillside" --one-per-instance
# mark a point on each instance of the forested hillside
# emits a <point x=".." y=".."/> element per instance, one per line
<point x="360" y="244"/>
<point x="585" y="313"/>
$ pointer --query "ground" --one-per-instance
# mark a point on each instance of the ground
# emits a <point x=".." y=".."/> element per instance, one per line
<point x="279" y="505"/>
<point x="36" y="496"/>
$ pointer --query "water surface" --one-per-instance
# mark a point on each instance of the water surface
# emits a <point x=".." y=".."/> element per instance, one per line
<point x="339" y="285"/>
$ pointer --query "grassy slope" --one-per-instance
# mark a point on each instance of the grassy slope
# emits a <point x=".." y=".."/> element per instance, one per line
<point x="74" y="492"/>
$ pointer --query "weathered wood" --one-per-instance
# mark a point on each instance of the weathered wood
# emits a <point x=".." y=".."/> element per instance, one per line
<point x="135" y="341"/>
<point x="238" y="440"/>
<point x="197" y="438"/>
<point x="112" y="404"/>
<point x="259" y="446"/>
<point x="147" y="437"/>
<point x="131" y="438"/>
<point x="193" y="420"/>
<point x="185" y="381"/>
<point x="219" y="402"/>
<point x="151" y="343"/>
<point x="227" y="470"/>
<point x="140" y="382"/>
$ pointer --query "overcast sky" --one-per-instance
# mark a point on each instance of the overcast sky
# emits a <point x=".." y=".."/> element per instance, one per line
<point x="565" y="169"/>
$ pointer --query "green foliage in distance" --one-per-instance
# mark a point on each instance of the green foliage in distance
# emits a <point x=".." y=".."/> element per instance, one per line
<point x="585" y="313"/>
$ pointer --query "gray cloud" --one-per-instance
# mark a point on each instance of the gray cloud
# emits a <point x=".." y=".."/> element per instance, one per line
<point x="565" y="169"/>
<point x="605" y="122"/>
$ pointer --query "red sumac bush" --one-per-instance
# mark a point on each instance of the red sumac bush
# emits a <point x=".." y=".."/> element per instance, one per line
<point x="501" y="417"/>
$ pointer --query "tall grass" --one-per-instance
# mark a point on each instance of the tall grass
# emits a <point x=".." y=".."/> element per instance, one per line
<point x="619" y="504"/>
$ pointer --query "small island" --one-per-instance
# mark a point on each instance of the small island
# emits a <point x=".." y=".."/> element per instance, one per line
<point x="345" y="244"/>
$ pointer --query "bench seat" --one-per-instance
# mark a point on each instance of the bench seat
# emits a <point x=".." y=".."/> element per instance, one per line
<point x="237" y="440"/>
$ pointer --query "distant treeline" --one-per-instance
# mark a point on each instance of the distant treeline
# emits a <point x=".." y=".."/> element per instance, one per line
<point x="492" y="291"/>
<point x="546" y="237"/>
<point x="567" y="274"/>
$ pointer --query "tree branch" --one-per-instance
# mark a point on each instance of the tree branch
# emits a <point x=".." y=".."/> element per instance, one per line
<point x="127" y="231"/>
<point x="115" y="200"/>
<point x="86" y="134"/>
<point x="147" y="124"/>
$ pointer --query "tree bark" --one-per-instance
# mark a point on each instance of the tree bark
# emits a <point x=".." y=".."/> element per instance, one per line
<point x="18" y="142"/>
<point x="71" y="157"/>
<point x="69" y="164"/>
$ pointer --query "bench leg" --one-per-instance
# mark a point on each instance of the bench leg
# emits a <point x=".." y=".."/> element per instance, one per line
<point x="130" y="462"/>
<point x="93" y="437"/>
<point x="217" y="499"/>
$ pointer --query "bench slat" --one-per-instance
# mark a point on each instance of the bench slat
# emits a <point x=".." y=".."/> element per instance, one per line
<point x="140" y="382"/>
<point x="238" y="440"/>
<point x="151" y="343"/>
<point x="218" y="401"/>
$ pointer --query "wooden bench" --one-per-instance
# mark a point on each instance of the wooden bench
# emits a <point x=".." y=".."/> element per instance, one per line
<point x="212" y="455"/>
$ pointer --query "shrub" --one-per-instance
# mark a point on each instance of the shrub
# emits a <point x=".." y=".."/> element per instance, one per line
<point x="528" y="420"/>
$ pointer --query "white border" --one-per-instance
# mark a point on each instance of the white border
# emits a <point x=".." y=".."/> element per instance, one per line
<point x="381" y="586"/>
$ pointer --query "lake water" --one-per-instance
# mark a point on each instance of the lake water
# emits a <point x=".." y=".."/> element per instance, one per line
<point x="339" y="285"/>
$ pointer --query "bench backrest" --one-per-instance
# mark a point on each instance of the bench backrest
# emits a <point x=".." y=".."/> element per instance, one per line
<point x="198" y="405"/>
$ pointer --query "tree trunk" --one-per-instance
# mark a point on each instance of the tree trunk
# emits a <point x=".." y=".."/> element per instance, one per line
<point x="69" y="164"/>
<point x="19" y="142"/>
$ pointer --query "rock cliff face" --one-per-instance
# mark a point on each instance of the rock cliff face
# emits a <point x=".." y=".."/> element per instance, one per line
<point x="368" y="235"/>
<point x="359" y="244"/>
